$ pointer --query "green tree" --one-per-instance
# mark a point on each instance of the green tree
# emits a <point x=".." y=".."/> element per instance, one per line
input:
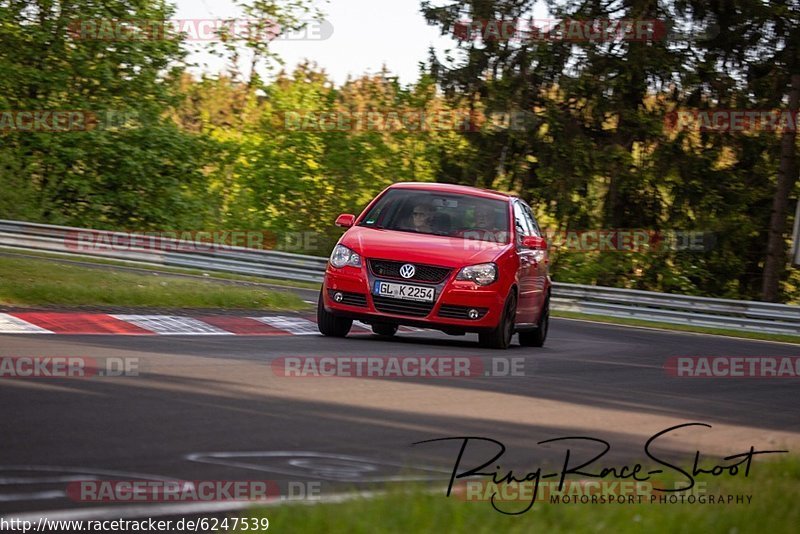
<point x="132" y="166"/>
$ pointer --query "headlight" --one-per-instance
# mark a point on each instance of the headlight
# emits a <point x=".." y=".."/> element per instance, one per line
<point x="342" y="256"/>
<point x="482" y="274"/>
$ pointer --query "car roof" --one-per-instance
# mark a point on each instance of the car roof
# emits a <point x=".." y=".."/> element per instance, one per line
<point x="451" y="188"/>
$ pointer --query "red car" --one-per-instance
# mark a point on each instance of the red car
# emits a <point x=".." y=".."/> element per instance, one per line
<point x="448" y="257"/>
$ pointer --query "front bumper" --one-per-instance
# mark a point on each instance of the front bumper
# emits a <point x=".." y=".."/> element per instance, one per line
<point x="453" y="300"/>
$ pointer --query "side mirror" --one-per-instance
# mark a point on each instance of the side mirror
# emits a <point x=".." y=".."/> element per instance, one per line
<point x="533" y="242"/>
<point x="345" y="220"/>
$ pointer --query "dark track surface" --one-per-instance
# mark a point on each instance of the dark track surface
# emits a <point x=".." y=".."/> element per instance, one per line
<point x="219" y="394"/>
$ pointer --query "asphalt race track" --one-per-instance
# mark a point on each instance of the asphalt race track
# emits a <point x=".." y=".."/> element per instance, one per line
<point x="199" y="404"/>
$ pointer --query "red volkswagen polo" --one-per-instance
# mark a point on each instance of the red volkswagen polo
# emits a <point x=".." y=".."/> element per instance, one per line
<point x="453" y="258"/>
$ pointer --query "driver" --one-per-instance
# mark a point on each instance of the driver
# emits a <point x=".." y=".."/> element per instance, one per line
<point x="484" y="227"/>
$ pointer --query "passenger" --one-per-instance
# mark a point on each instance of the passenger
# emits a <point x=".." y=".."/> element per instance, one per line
<point x="484" y="227"/>
<point x="484" y="216"/>
<point x="422" y="219"/>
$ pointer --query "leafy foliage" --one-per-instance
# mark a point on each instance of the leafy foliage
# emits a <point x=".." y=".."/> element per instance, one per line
<point x="592" y="148"/>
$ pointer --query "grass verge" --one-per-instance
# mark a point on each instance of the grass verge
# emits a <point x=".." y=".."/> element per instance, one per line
<point x="31" y="282"/>
<point x="311" y="285"/>
<point x="786" y="338"/>
<point x="773" y="487"/>
<point x="162" y="268"/>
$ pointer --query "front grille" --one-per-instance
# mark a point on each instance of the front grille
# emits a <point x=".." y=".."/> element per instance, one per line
<point x="460" y="312"/>
<point x="424" y="273"/>
<point x="351" y="299"/>
<point x="402" y="307"/>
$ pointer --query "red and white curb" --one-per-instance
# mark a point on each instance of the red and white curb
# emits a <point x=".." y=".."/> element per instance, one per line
<point x="163" y="325"/>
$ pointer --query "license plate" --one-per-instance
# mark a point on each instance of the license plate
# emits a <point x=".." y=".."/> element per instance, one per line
<point x="403" y="291"/>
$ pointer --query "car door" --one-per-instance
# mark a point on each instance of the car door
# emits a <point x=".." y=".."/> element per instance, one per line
<point x="540" y="265"/>
<point x="527" y="271"/>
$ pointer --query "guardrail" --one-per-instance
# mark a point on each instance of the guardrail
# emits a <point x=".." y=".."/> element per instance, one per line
<point x="163" y="251"/>
<point x="593" y="300"/>
<point x="678" y="309"/>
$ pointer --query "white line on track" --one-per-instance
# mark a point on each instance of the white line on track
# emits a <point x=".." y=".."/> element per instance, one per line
<point x="293" y="325"/>
<point x="35" y="496"/>
<point x="196" y="508"/>
<point x="89" y="473"/>
<point x="173" y="325"/>
<point x="680" y="332"/>
<point x="13" y="325"/>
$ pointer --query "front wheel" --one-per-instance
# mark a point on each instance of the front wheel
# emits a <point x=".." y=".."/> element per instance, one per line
<point x="384" y="329"/>
<point x="536" y="338"/>
<point x="500" y="337"/>
<point x="329" y="324"/>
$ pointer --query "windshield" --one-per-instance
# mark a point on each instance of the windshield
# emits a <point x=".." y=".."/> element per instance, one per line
<point x="445" y="214"/>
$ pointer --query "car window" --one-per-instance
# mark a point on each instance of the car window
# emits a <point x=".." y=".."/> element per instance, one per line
<point x="531" y="220"/>
<point x="436" y="213"/>
<point x="522" y="223"/>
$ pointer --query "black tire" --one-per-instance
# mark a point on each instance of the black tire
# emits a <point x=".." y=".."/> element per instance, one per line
<point x="537" y="337"/>
<point x="384" y="329"/>
<point x="329" y="324"/>
<point x="500" y="337"/>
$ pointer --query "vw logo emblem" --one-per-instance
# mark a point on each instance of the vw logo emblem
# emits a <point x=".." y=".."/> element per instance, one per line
<point x="407" y="271"/>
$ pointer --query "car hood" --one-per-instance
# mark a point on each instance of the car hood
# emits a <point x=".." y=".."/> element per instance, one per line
<point x="420" y="248"/>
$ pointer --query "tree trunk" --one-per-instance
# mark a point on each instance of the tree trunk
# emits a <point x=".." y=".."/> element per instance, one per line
<point x="787" y="176"/>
